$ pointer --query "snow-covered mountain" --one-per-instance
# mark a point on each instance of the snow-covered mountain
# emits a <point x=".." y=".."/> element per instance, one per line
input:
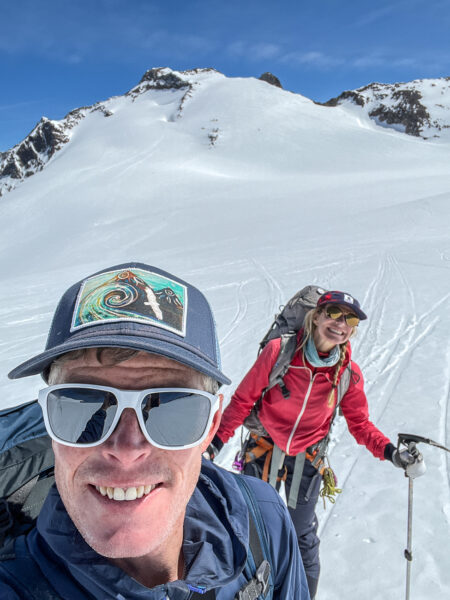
<point x="251" y="192"/>
<point x="419" y="108"/>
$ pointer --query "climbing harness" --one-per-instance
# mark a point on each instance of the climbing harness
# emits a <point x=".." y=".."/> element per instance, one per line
<point x="274" y="471"/>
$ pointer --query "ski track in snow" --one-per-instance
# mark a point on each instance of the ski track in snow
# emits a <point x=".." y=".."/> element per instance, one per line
<point x="388" y="359"/>
<point x="275" y="297"/>
<point x="241" y="311"/>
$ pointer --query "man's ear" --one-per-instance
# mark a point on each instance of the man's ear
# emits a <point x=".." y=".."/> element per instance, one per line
<point x="215" y="425"/>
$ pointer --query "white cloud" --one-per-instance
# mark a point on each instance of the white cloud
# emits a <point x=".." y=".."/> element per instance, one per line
<point x="312" y="58"/>
<point x="253" y="51"/>
<point x="375" y="15"/>
<point x="264" y="51"/>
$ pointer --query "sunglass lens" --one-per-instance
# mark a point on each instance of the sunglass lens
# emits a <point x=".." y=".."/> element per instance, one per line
<point x="176" y="418"/>
<point x="334" y="312"/>
<point x="352" y="320"/>
<point x="80" y="416"/>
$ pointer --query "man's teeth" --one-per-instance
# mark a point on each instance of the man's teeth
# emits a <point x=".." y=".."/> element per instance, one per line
<point x="131" y="493"/>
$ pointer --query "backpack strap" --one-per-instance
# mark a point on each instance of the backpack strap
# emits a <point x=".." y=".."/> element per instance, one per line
<point x="18" y="511"/>
<point x="20" y="571"/>
<point x="342" y="386"/>
<point x="261" y="576"/>
<point x="288" y="345"/>
<point x="260" y="583"/>
<point x="296" y="479"/>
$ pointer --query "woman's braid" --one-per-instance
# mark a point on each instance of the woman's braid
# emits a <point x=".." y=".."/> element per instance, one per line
<point x="342" y="354"/>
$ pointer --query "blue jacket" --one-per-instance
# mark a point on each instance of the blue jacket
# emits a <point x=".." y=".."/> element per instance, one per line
<point x="215" y="548"/>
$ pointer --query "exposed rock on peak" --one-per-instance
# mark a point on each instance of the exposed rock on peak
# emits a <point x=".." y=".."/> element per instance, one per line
<point x="32" y="153"/>
<point x="418" y="108"/>
<point x="163" y="78"/>
<point x="41" y="144"/>
<point x="270" y="78"/>
<point x="347" y="95"/>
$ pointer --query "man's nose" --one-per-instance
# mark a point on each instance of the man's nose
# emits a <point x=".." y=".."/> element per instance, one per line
<point x="127" y="443"/>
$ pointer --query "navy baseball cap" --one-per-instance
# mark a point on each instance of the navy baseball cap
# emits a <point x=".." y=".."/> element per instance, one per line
<point x="344" y="299"/>
<point x="135" y="306"/>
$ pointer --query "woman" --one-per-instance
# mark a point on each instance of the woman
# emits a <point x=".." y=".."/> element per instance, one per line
<point x="296" y="424"/>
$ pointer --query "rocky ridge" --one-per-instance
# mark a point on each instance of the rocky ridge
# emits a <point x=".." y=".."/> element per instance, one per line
<point x="420" y="108"/>
<point x="34" y="152"/>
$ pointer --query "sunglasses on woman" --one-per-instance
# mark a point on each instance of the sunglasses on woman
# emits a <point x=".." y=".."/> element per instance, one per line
<point x="81" y="415"/>
<point x="335" y="313"/>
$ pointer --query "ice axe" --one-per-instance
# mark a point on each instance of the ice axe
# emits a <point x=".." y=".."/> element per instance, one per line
<point x="410" y="440"/>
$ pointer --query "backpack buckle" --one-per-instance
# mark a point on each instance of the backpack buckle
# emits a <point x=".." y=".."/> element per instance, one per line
<point x="258" y="585"/>
<point x="263" y="575"/>
<point x="286" y="393"/>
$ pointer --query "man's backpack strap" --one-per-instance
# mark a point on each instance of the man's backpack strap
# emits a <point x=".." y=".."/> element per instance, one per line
<point x="20" y="571"/>
<point x="260" y="578"/>
<point x="260" y="569"/>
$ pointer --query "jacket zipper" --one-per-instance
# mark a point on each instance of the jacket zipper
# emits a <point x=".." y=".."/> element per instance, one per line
<point x="308" y="392"/>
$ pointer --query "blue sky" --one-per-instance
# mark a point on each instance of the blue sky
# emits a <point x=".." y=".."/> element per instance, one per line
<point x="57" y="55"/>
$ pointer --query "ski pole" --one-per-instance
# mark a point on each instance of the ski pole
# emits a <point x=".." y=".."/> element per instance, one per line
<point x="408" y="550"/>
<point x="410" y="440"/>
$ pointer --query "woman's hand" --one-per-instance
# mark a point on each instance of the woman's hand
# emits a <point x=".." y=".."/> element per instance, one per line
<point x="411" y="460"/>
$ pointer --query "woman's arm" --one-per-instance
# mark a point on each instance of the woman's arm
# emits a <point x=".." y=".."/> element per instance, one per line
<point x="356" y="412"/>
<point x="248" y="391"/>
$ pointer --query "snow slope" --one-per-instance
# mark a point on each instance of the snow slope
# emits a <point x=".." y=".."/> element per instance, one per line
<point x="250" y="192"/>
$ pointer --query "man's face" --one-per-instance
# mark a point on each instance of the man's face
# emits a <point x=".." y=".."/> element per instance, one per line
<point x="119" y="529"/>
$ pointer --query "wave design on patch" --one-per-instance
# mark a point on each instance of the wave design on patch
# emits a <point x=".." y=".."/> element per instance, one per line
<point x="125" y="295"/>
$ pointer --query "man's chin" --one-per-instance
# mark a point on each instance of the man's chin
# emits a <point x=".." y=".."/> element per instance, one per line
<point x="122" y="544"/>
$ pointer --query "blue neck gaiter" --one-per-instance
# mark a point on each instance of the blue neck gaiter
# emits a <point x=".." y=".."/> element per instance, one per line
<point x="315" y="360"/>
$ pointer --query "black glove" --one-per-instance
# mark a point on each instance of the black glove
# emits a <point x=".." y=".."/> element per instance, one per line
<point x="409" y="459"/>
<point x="213" y="449"/>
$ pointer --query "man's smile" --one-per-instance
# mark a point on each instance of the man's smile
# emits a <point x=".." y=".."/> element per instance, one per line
<point x="129" y="493"/>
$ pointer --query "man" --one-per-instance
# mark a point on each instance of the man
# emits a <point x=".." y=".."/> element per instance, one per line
<point x="133" y="368"/>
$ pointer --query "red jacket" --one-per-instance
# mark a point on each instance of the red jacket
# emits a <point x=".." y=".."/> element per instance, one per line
<point x="303" y="419"/>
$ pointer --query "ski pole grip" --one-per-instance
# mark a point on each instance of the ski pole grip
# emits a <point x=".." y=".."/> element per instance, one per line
<point x="406" y="438"/>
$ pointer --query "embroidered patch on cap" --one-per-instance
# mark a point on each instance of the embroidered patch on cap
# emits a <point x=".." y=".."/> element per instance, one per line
<point x="131" y="295"/>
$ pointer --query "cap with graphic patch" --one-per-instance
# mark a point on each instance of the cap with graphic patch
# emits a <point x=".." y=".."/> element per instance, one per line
<point x="133" y="306"/>
<point x="343" y="299"/>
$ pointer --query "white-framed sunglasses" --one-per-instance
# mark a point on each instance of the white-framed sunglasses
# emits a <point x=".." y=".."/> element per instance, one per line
<point x="83" y="415"/>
